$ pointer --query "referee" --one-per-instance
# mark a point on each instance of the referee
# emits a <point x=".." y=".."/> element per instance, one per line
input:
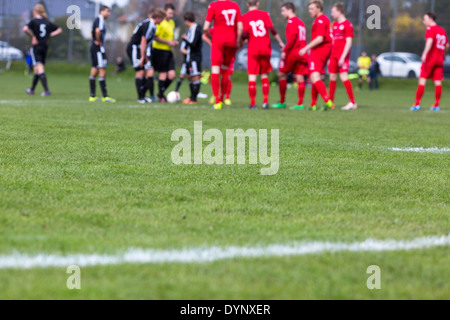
<point x="162" y="57"/>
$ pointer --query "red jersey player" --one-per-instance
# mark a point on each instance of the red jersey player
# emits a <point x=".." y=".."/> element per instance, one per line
<point x="320" y="47"/>
<point x="290" y="60"/>
<point x="257" y="25"/>
<point x="207" y="39"/>
<point x="433" y="60"/>
<point x="340" y="56"/>
<point x="228" y="28"/>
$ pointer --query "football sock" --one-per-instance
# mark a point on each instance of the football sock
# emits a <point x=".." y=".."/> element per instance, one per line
<point x="333" y="85"/>
<point x="322" y="90"/>
<point x="230" y="86"/>
<point x="265" y="89"/>
<point x="162" y="88"/>
<point x="349" y="88"/>
<point x="438" y="94"/>
<point x="168" y="83"/>
<point x="195" y="90"/>
<point x="419" y="94"/>
<point x="215" y="85"/>
<point x="225" y="82"/>
<point x="92" y="85"/>
<point x="252" y="92"/>
<point x="283" y="87"/>
<point x="102" y="82"/>
<point x="151" y="86"/>
<point x="140" y="88"/>
<point x="314" y="95"/>
<point x="301" y="92"/>
<point x="179" y="83"/>
<point x="44" y="81"/>
<point x="35" y="82"/>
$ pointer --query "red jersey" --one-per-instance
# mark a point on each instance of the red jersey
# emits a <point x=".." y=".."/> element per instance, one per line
<point x="440" y="41"/>
<point x="257" y="25"/>
<point x="341" y="31"/>
<point x="321" y="28"/>
<point x="226" y="15"/>
<point x="295" y="36"/>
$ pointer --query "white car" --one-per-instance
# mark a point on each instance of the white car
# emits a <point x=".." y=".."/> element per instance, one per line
<point x="8" y="53"/>
<point x="400" y="65"/>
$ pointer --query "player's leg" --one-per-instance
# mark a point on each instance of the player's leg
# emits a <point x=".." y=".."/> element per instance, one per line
<point x="227" y="100"/>
<point x="321" y="89"/>
<point x="36" y="70"/>
<point x="349" y="88"/>
<point x="252" y="90"/>
<point x="317" y="65"/>
<point x="333" y="70"/>
<point x="180" y="79"/>
<point x="102" y="81"/>
<point x="265" y="90"/>
<point x="140" y="85"/>
<point x="419" y="94"/>
<point x="93" y="84"/>
<point x="217" y="60"/>
<point x="171" y="74"/>
<point x="228" y="57"/>
<point x="150" y="83"/>
<point x="300" y="79"/>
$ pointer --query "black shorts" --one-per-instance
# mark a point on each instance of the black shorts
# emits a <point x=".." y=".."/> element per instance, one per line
<point x="39" y="54"/>
<point x="194" y="68"/>
<point x="134" y="53"/>
<point x="98" y="57"/>
<point x="162" y="60"/>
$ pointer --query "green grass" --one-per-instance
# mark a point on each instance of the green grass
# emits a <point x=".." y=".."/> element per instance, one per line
<point x="94" y="178"/>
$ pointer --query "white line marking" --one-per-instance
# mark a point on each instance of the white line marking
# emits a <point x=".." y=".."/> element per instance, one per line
<point x="202" y="255"/>
<point x="422" y="150"/>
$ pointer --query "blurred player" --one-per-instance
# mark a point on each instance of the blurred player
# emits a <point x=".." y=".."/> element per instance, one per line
<point x="162" y="55"/>
<point x="433" y="58"/>
<point x="40" y="30"/>
<point x="137" y="50"/>
<point x="98" y="55"/>
<point x="226" y="16"/>
<point x="183" y="70"/>
<point x="364" y="63"/>
<point x="320" y="47"/>
<point x="257" y="25"/>
<point x="291" y="61"/>
<point x="194" y="44"/>
<point x="340" y="57"/>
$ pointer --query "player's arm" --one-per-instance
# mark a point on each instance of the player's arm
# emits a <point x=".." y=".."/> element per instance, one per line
<point x="447" y="47"/>
<point x="143" y="51"/>
<point x="98" y="37"/>
<point x="347" y="48"/>
<point x="426" y="51"/>
<point x="240" y="31"/>
<point x="57" y="32"/>
<point x="277" y="37"/>
<point x="316" y="42"/>
<point x="171" y="43"/>
<point x="29" y="32"/>
<point x="291" y="37"/>
<point x="206" y="38"/>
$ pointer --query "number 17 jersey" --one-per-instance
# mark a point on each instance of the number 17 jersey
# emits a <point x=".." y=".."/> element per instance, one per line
<point x="226" y="15"/>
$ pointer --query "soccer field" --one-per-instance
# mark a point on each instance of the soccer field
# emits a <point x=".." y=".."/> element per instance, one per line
<point x="94" y="185"/>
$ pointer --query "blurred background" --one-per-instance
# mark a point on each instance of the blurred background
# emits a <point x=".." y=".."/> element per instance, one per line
<point x="401" y="25"/>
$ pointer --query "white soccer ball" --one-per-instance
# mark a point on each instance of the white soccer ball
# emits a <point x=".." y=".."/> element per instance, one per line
<point x="173" y="97"/>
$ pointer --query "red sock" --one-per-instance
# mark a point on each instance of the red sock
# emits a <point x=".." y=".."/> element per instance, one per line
<point x="349" y="87"/>
<point x="225" y="82"/>
<point x="230" y="86"/>
<point x="333" y="85"/>
<point x="252" y="92"/>
<point x="322" y="90"/>
<point x="301" y="92"/>
<point x="314" y="95"/>
<point x="215" y="84"/>
<point x="438" y="96"/>
<point x="265" y="89"/>
<point x="419" y="94"/>
<point x="283" y="87"/>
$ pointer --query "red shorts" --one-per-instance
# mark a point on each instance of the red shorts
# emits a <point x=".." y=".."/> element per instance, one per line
<point x="259" y="64"/>
<point x="433" y="71"/>
<point x="318" y="59"/>
<point x="295" y="64"/>
<point x="222" y="55"/>
<point x="334" y="67"/>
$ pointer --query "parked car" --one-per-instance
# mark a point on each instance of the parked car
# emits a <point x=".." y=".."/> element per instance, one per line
<point x="447" y="67"/>
<point x="9" y="53"/>
<point x="241" y="59"/>
<point x="400" y="65"/>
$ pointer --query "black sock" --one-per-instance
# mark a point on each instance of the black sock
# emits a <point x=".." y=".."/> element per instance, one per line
<point x="35" y="82"/>
<point x="44" y="81"/>
<point x="195" y="90"/>
<point x="179" y="82"/>
<point x="162" y="88"/>
<point x="151" y="86"/>
<point x="92" y="84"/>
<point x="102" y="82"/>
<point x="140" y="88"/>
<point x="168" y="83"/>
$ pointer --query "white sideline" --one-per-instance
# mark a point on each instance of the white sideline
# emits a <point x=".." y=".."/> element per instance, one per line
<point x="422" y="150"/>
<point x="202" y="255"/>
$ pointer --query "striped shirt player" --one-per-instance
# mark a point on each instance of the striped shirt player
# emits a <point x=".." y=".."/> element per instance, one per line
<point x="98" y="55"/>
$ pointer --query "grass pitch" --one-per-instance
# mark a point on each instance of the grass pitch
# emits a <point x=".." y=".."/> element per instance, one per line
<point x="98" y="178"/>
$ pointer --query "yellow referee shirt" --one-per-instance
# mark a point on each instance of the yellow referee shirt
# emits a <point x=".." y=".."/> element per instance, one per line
<point x="165" y="31"/>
